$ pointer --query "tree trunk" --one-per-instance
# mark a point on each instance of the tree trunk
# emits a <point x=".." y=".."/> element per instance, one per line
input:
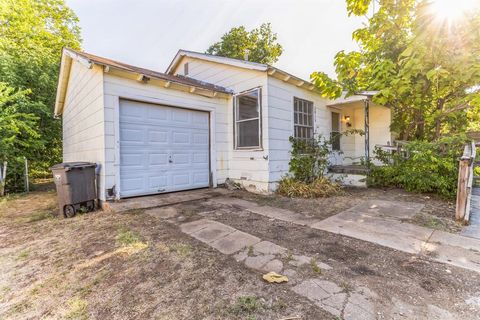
<point x="438" y="119"/>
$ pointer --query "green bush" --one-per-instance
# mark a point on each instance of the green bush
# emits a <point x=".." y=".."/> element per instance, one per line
<point x="427" y="167"/>
<point x="309" y="158"/>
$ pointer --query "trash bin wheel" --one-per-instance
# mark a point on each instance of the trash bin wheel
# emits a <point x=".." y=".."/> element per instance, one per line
<point x="91" y="206"/>
<point x="69" y="211"/>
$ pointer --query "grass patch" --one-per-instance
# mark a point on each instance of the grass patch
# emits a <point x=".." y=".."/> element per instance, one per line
<point x="126" y="238"/>
<point x="35" y="217"/>
<point x="77" y="309"/>
<point x="314" y="266"/>
<point x="319" y="188"/>
<point x="23" y="255"/>
<point x="246" y="305"/>
<point x="181" y="249"/>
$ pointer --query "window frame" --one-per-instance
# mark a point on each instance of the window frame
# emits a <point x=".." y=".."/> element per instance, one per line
<point x="337" y="133"/>
<point x="259" y="118"/>
<point x="295" y="125"/>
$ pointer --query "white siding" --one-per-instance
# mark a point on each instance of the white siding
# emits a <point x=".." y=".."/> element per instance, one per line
<point x="117" y="88"/>
<point x="83" y="118"/>
<point x="281" y="124"/>
<point x="247" y="167"/>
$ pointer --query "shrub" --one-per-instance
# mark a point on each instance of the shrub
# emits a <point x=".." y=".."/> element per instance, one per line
<point x="319" y="188"/>
<point x="428" y="167"/>
<point x="309" y="158"/>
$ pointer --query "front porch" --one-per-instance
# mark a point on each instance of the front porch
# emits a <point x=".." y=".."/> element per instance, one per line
<point x="360" y="126"/>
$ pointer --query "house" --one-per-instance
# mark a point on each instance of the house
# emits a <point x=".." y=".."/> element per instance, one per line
<point x="206" y="119"/>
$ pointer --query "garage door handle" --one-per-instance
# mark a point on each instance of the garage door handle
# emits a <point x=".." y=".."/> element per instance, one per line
<point x="170" y="159"/>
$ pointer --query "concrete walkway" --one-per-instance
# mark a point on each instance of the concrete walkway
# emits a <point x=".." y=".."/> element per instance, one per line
<point x="381" y="222"/>
<point x="473" y="229"/>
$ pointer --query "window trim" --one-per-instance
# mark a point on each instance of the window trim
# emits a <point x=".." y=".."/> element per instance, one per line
<point x="337" y="132"/>
<point x="301" y="125"/>
<point x="260" y="122"/>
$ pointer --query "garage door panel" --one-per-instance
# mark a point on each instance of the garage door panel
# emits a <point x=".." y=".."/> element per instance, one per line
<point x="162" y="149"/>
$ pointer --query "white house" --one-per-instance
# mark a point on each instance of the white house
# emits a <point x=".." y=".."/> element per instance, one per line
<point x="206" y="119"/>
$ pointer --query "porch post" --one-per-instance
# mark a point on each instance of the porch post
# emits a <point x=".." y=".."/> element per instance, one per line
<point x="367" y="129"/>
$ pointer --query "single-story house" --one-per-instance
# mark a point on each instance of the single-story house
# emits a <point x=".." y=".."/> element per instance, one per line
<point x="206" y="119"/>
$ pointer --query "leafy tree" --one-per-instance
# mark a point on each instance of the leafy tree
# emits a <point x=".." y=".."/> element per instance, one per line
<point x="259" y="45"/>
<point x="18" y="131"/>
<point x="426" y="70"/>
<point x="32" y="34"/>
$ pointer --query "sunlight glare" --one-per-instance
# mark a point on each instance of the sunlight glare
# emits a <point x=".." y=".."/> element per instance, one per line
<point x="451" y="10"/>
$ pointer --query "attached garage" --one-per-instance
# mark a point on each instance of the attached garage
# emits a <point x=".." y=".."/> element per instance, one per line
<point x="162" y="148"/>
<point x="148" y="132"/>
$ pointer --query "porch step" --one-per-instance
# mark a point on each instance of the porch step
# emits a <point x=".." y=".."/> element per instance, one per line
<point x="349" y="169"/>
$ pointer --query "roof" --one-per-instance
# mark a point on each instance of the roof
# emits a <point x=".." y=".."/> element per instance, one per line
<point x="359" y="96"/>
<point x="89" y="59"/>
<point x="272" y="71"/>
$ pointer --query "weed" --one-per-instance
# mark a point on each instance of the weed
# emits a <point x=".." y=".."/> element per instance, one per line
<point x="23" y="255"/>
<point x="181" y="249"/>
<point x="315" y="267"/>
<point x="289" y="256"/>
<point x="250" y="251"/>
<point x="319" y="188"/>
<point x="246" y="305"/>
<point x="4" y="292"/>
<point x="347" y="287"/>
<point x="127" y="238"/>
<point x="77" y="309"/>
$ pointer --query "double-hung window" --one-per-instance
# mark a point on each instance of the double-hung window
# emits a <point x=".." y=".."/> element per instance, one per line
<point x="303" y="117"/>
<point x="248" y="121"/>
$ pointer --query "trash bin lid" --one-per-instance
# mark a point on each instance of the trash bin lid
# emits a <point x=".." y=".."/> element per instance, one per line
<point x="73" y="165"/>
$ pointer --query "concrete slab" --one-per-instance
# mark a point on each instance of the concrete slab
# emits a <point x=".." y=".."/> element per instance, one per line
<point x="234" y="242"/>
<point x="257" y="262"/>
<point x="213" y="231"/>
<point x="191" y="227"/>
<point x="283" y="215"/>
<point x="267" y="247"/>
<point x="393" y="209"/>
<point x="386" y="232"/>
<point x="160" y="200"/>
<point x="274" y="265"/>
<point x="235" y="202"/>
<point x="163" y="212"/>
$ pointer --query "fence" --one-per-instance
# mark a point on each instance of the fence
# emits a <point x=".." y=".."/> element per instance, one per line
<point x="465" y="182"/>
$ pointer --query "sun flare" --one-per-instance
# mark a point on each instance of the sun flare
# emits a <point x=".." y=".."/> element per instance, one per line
<point x="451" y="10"/>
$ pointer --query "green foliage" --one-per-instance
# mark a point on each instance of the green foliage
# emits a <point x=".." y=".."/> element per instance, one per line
<point x="260" y="45"/>
<point x="246" y="305"/>
<point x="309" y="158"/>
<point x="425" y="69"/>
<point x="321" y="187"/>
<point x="18" y="134"/>
<point x="32" y="34"/>
<point x="428" y="167"/>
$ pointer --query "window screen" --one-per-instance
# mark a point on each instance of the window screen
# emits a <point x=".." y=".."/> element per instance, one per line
<point x="335" y="134"/>
<point x="303" y="117"/>
<point x="248" y="120"/>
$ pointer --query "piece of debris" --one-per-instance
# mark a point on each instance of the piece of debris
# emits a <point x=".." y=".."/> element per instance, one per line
<point x="274" y="277"/>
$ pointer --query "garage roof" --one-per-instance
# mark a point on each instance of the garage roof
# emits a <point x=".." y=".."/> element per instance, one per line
<point x="89" y="59"/>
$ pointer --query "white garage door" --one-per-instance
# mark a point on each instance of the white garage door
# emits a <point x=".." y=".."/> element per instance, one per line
<point x="162" y="149"/>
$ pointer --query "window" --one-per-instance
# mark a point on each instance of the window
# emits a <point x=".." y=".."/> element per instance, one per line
<point x="248" y="120"/>
<point x="335" y="134"/>
<point x="303" y="115"/>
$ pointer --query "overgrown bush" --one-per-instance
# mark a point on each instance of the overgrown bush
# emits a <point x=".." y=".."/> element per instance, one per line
<point x="423" y="167"/>
<point x="308" y="163"/>
<point x="318" y="188"/>
<point x="309" y="158"/>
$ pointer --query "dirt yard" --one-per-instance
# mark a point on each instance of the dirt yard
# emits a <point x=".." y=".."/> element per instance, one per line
<point x="136" y="266"/>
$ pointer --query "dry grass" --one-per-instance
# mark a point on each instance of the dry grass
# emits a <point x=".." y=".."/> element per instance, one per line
<point x="319" y="188"/>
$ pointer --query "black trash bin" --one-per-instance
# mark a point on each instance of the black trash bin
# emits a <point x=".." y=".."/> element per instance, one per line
<point x="75" y="182"/>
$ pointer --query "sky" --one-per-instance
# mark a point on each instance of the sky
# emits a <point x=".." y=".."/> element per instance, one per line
<point x="148" y="33"/>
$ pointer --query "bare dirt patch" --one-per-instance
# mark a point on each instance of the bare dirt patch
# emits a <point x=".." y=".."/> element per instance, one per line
<point x="124" y="266"/>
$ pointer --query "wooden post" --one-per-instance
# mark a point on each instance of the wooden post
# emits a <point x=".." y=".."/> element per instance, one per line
<point x="27" y="186"/>
<point x="3" y="176"/>
<point x="367" y="130"/>
<point x="465" y="182"/>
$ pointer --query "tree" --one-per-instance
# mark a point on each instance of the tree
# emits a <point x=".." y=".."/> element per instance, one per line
<point x="32" y="34"/>
<point x="259" y="45"/>
<point x="18" y="131"/>
<point x="425" y="69"/>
